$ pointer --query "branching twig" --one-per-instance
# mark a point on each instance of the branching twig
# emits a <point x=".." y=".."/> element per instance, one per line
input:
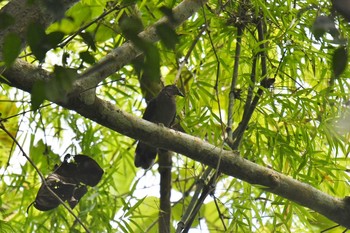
<point x="190" y="208"/>
<point x="249" y="98"/>
<point x="207" y="189"/>
<point x="233" y="83"/>
<point x="185" y="60"/>
<point x="164" y="161"/>
<point x="265" y="83"/>
<point x="262" y="46"/>
<point x="220" y="214"/>
<point x="80" y="30"/>
<point x="125" y="53"/>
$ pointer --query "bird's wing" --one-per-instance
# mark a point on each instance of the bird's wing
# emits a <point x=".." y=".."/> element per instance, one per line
<point x="150" y="110"/>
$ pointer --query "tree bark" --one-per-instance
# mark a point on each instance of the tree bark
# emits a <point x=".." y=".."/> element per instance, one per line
<point x="165" y="164"/>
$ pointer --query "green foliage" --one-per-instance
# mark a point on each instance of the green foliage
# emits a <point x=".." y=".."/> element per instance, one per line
<point x="8" y="109"/>
<point x="55" y="88"/>
<point x="298" y="128"/>
<point x="6" y="227"/>
<point x="40" y="42"/>
<point x="12" y="48"/>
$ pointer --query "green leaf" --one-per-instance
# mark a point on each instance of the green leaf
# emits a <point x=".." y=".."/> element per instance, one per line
<point x="152" y="62"/>
<point x="11" y="49"/>
<point x="131" y="26"/>
<point x="6" y="20"/>
<point x="5" y="227"/>
<point x="339" y="61"/>
<point x="128" y="2"/>
<point x="36" y="39"/>
<point x="43" y="156"/>
<point x="64" y="78"/>
<point x="38" y="95"/>
<point x="87" y="57"/>
<point x="54" y="38"/>
<point x="39" y="42"/>
<point x="167" y="35"/>
<point x="89" y="40"/>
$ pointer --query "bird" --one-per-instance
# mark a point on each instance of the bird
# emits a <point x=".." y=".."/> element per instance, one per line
<point x="160" y="110"/>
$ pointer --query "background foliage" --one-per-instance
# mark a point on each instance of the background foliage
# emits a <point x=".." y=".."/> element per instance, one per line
<point x="300" y="126"/>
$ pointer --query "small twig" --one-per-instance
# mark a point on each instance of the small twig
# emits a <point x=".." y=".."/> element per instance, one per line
<point x="217" y="80"/>
<point x="262" y="46"/>
<point x="207" y="189"/>
<point x="190" y="208"/>
<point x="185" y="60"/>
<point x="265" y="83"/>
<point x="233" y="82"/>
<point x="22" y="113"/>
<point x="43" y="178"/>
<point x="70" y="38"/>
<point x="251" y="87"/>
<point x="329" y="228"/>
<point x="233" y="142"/>
<point x="219" y="211"/>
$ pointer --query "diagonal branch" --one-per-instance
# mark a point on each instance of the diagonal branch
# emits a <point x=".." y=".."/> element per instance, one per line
<point x="108" y="115"/>
<point x="124" y="54"/>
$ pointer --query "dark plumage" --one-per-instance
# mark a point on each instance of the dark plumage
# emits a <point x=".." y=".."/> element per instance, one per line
<point x="161" y="109"/>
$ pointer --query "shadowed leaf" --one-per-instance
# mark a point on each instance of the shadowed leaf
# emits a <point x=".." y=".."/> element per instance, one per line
<point x="339" y="61"/>
<point x="11" y="49"/>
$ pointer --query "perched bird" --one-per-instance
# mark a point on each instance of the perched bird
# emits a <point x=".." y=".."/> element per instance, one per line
<point x="161" y="109"/>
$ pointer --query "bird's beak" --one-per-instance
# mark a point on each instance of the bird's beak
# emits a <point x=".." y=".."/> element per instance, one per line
<point x="180" y="93"/>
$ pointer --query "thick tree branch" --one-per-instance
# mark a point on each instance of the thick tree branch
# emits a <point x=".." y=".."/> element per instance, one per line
<point x="124" y="54"/>
<point x="108" y="115"/>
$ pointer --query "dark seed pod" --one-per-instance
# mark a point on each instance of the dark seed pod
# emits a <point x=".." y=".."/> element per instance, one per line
<point x="68" y="182"/>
